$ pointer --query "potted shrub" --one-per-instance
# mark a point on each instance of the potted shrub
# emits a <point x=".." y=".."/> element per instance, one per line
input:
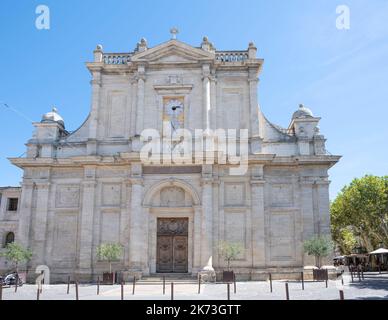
<point x="109" y="252"/>
<point x="319" y="247"/>
<point x="229" y="251"/>
<point x="17" y="254"/>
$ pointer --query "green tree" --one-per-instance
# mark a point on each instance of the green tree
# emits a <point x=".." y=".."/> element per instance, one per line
<point x="360" y="211"/>
<point x="110" y="252"/>
<point x="230" y="251"/>
<point x="17" y="254"/>
<point x="319" y="247"/>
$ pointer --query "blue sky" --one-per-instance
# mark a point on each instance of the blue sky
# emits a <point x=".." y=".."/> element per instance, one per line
<point x="342" y="75"/>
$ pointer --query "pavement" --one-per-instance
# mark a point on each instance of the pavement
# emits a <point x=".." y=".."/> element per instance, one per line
<point x="373" y="287"/>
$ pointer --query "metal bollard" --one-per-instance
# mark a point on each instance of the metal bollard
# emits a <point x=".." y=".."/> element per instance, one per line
<point x="199" y="284"/>
<point x="122" y="290"/>
<point x="172" y="290"/>
<point x="98" y="285"/>
<point x="270" y="281"/>
<point x="327" y="278"/>
<point x="302" y="274"/>
<point x="341" y="293"/>
<point x="164" y="285"/>
<point x="134" y="284"/>
<point x="76" y="291"/>
<point x="68" y="284"/>
<point x="234" y="283"/>
<point x="228" y="290"/>
<point x="287" y="292"/>
<point x="1" y="291"/>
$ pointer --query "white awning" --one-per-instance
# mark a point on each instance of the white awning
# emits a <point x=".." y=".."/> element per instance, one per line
<point x="379" y="251"/>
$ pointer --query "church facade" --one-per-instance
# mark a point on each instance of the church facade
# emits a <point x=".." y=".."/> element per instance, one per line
<point x="91" y="186"/>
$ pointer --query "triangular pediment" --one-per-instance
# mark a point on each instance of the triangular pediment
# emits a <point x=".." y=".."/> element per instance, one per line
<point x="173" y="51"/>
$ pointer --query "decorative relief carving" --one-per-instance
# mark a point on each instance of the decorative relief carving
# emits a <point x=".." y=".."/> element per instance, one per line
<point x="67" y="196"/>
<point x="173" y="226"/>
<point x="172" y="197"/>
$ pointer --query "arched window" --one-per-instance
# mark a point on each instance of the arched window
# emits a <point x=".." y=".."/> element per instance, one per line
<point x="9" y="238"/>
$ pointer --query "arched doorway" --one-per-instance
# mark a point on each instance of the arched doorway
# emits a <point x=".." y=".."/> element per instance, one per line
<point x="173" y="224"/>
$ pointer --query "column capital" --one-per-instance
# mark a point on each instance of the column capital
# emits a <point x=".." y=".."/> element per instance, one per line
<point x="89" y="183"/>
<point x="136" y="181"/>
<point x="42" y="184"/>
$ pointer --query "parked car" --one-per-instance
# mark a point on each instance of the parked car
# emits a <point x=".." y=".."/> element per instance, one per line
<point x="10" y="279"/>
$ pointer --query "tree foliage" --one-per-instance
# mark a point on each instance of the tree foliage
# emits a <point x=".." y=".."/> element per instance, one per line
<point x="360" y="213"/>
<point x="17" y="254"/>
<point x="230" y="251"/>
<point x="319" y="247"/>
<point x="110" y="252"/>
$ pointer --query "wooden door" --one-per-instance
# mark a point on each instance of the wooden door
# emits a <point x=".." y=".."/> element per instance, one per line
<point x="172" y="245"/>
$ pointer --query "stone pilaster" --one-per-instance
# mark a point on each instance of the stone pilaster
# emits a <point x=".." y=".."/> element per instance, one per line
<point x="23" y="234"/>
<point x="86" y="219"/>
<point x="94" y="113"/>
<point x="254" y="112"/>
<point x="140" y="100"/>
<point x="258" y="223"/>
<point x="40" y="226"/>
<point x="207" y="229"/>
<point x="206" y="96"/>
<point x="213" y="103"/>
<point x="137" y="238"/>
<point x="125" y="219"/>
<point x="197" y="239"/>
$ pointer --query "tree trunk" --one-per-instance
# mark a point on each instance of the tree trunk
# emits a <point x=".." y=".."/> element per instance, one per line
<point x="318" y="261"/>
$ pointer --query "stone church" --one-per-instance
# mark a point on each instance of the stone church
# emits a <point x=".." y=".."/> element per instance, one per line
<point x="90" y="186"/>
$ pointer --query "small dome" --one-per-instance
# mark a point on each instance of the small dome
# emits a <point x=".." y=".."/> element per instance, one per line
<point x="53" y="116"/>
<point x="303" y="112"/>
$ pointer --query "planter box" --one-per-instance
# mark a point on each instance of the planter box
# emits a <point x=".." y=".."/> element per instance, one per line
<point x="228" y="276"/>
<point x="108" y="278"/>
<point x="320" y="274"/>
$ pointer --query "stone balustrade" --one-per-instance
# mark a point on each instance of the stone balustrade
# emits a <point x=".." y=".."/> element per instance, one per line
<point x="231" y="56"/>
<point x="116" y="58"/>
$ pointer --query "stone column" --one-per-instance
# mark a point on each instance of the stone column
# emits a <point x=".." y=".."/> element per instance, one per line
<point x="136" y="233"/>
<point x="258" y="223"/>
<point x="23" y="234"/>
<point x="40" y="225"/>
<point x="207" y="230"/>
<point x="86" y="221"/>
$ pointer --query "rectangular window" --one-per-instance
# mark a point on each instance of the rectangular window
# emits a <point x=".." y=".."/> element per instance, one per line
<point x="13" y="204"/>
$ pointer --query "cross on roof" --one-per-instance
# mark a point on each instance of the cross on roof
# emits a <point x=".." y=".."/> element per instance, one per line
<point x="174" y="31"/>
